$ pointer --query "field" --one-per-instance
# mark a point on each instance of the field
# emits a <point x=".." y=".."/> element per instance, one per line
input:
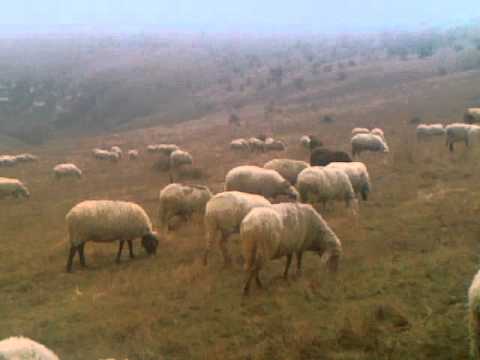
<point x="401" y="289"/>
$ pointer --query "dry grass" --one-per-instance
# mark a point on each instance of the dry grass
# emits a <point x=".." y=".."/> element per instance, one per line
<point x="400" y="294"/>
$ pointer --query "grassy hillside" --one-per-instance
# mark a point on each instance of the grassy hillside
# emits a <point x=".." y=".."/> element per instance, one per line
<point x="401" y="289"/>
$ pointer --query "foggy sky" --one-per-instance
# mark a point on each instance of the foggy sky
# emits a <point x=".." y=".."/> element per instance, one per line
<point x="239" y="15"/>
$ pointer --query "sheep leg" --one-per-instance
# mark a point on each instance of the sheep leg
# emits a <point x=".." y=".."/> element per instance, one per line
<point x="246" y="287"/>
<point x="73" y="251"/>
<point x="287" y="266"/>
<point x="81" y="253"/>
<point x="299" y="263"/>
<point x="450" y="146"/>
<point x="130" y="249"/>
<point x="226" y="256"/>
<point x="120" y="248"/>
<point x="257" y="278"/>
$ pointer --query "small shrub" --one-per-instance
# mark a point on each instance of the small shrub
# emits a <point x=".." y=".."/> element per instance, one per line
<point x="415" y="120"/>
<point x="327" y="119"/>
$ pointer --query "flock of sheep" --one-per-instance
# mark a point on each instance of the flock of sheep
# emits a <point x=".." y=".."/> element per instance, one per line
<point x="271" y="208"/>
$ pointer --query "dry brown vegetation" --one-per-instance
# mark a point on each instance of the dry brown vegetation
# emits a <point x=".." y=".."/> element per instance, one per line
<point x="401" y="289"/>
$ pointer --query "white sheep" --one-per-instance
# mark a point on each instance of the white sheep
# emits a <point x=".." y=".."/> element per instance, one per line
<point x="13" y="187"/>
<point x="257" y="180"/>
<point x="179" y="158"/>
<point x="305" y="141"/>
<point x="459" y="132"/>
<point x="324" y="184"/>
<point x="223" y="215"/>
<point x="164" y="149"/>
<point x="133" y="154"/>
<point x="239" y="145"/>
<point x="358" y="174"/>
<point x="108" y="221"/>
<point x="274" y="145"/>
<point x="426" y="131"/>
<point x="116" y="149"/>
<point x="105" y="155"/>
<point x="285" y="230"/>
<point x="26" y="157"/>
<point x="287" y="168"/>
<point x="181" y="201"/>
<point x="7" y="161"/>
<point x="256" y="144"/>
<point x="378" y="132"/>
<point x="368" y="142"/>
<point x="474" y="316"/>
<point x="22" y="348"/>
<point x="67" y="170"/>
<point x="357" y="130"/>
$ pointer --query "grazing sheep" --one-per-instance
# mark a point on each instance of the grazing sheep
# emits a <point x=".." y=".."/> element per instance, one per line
<point x="459" y="132"/>
<point x="105" y="155"/>
<point x="116" y="149"/>
<point x="356" y="131"/>
<point x="472" y="115"/>
<point x="22" y="348"/>
<point x="165" y="149"/>
<point x="133" y="154"/>
<point x="285" y="230"/>
<point x="274" y="145"/>
<point x="368" y="142"/>
<point x="322" y="157"/>
<point x="24" y="158"/>
<point x="7" y="161"/>
<point x="256" y="144"/>
<point x="108" y="221"/>
<point x="67" y="170"/>
<point x="426" y="131"/>
<point x="179" y="158"/>
<point x="13" y="187"/>
<point x="305" y="141"/>
<point x="322" y="184"/>
<point x="257" y="180"/>
<point x="378" y="132"/>
<point x="474" y="316"/>
<point x="288" y="168"/>
<point x="239" y="145"/>
<point x="182" y="201"/>
<point x="223" y="215"/>
<point x="358" y="174"/>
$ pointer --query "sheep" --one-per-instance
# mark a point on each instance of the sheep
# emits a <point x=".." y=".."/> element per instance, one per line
<point x="179" y="158"/>
<point x="105" y="155"/>
<point x="256" y="144"/>
<point x="257" y="180"/>
<point x="474" y="316"/>
<point x="116" y="149"/>
<point x="164" y="149"/>
<point x="107" y="221"/>
<point x="274" y="145"/>
<point x="181" y="201"/>
<point x="305" y="141"/>
<point x="458" y="132"/>
<point x="472" y="115"/>
<point x="425" y="131"/>
<point x="270" y="233"/>
<point x="368" y="142"/>
<point x="223" y="215"/>
<point x="24" y="158"/>
<point x="133" y="154"/>
<point x="322" y="157"/>
<point x="13" y="187"/>
<point x="322" y="184"/>
<point x="19" y="347"/>
<point x="7" y="161"/>
<point x="358" y="174"/>
<point x="67" y="170"/>
<point x="288" y="168"/>
<point x="378" y="132"/>
<point x="239" y="145"/>
<point x="357" y="130"/>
